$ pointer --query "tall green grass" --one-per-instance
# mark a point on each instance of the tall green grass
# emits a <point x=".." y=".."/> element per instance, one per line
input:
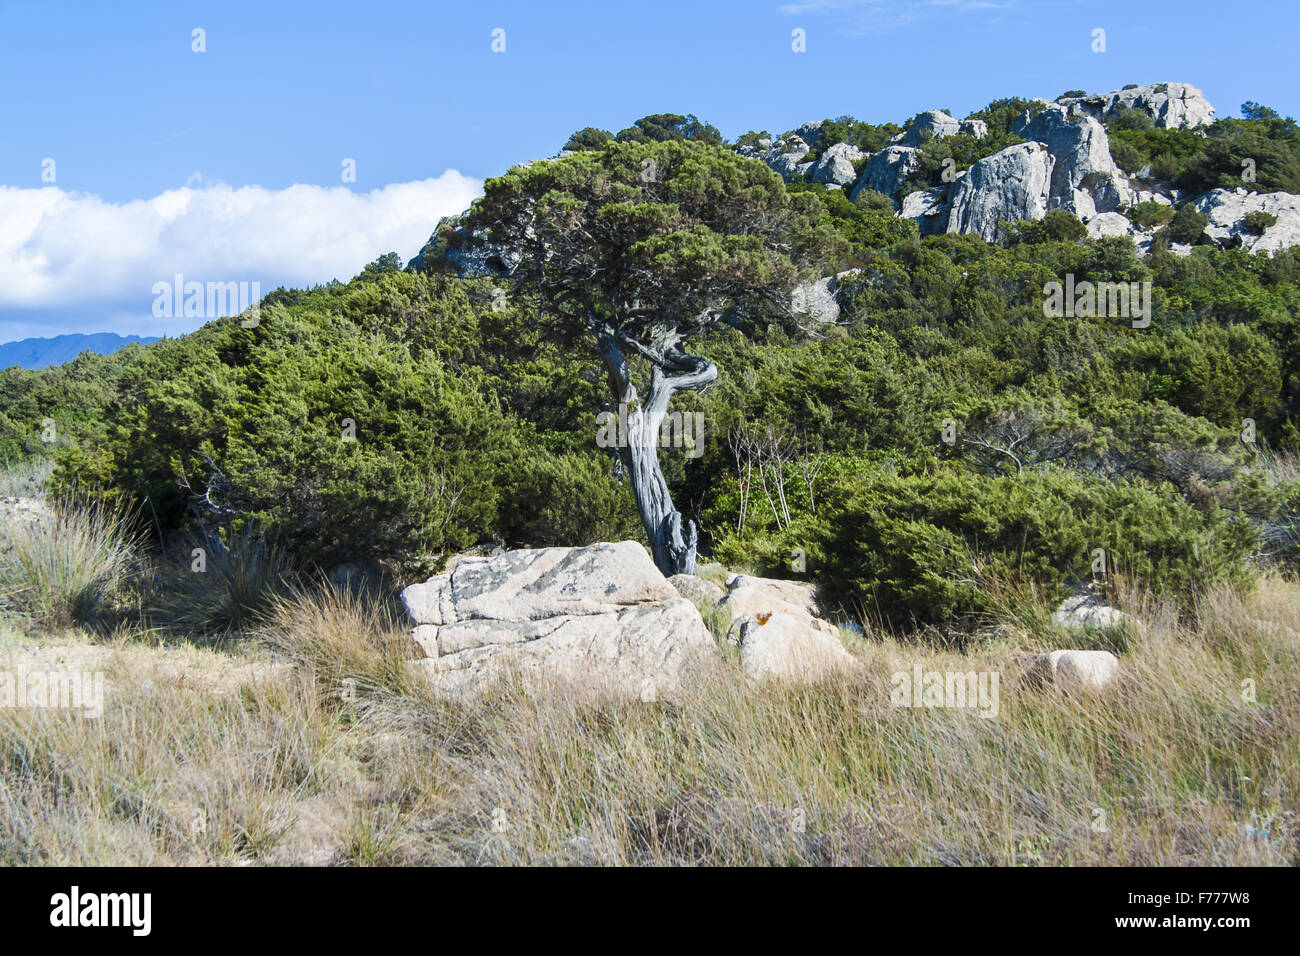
<point x="227" y="583"/>
<point x="59" y="565"/>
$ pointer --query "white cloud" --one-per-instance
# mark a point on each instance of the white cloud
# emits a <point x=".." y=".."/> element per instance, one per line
<point x="63" y="252"/>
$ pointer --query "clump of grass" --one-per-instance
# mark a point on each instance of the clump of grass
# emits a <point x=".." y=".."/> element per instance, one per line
<point x="60" y="565"/>
<point x="351" y="644"/>
<point x="226" y="584"/>
<point x="717" y="619"/>
<point x="27" y="479"/>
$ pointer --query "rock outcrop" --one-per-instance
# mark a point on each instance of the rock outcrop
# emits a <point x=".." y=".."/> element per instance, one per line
<point x="601" y="617"/>
<point x="780" y="634"/>
<point x="929" y="125"/>
<point x="835" y="166"/>
<point x="1012" y="184"/>
<point x="929" y="208"/>
<point x="472" y="261"/>
<point x="819" y="300"/>
<point x="886" y="170"/>
<point x="785" y="157"/>
<point x="697" y="590"/>
<point x="1227" y="210"/>
<point x="1085" y="179"/>
<point x="1170" y="105"/>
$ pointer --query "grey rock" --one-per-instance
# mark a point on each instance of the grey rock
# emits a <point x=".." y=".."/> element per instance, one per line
<point x="810" y="132"/>
<point x="1227" y="210"/>
<point x="974" y="127"/>
<point x="1087" y="609"/>
<point x="932" y="124"/>
<point x="928" y="208"/>
<point x="1085" y="179"/>
<point x="472" y="260"/>
<point x="800" y="594"/>
<point x="601" y="618"/>
<point x="819" y="300"/>
<point x="1072" y="670"/>
<point x="1110" y="224"/>
<point x="1170" y="105"/>
<point x="696" y="589"/>
<point x="1012" y="184"/>
<point x="886" y="170"/>
<point x="835" y="167"/>
<point x="784" y="158"/>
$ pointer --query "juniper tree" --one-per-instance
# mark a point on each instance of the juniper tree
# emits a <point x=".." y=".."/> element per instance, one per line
<point x="640" y="247"/>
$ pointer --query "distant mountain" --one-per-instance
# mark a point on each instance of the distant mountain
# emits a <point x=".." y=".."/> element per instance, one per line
<point x="42" y="353"/>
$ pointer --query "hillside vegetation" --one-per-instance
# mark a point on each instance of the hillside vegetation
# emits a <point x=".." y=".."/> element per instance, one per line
<point x="405" y="415"/>
<point x="946" y="459"/>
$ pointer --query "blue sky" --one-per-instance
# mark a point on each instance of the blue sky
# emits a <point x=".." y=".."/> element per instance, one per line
<point x="169" y="160"/>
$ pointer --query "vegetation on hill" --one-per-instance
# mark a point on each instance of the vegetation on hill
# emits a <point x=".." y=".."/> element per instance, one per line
<point x="943" y="434"/>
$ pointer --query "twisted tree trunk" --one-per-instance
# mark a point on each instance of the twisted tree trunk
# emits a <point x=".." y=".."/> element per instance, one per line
<point x="672" y="543"/>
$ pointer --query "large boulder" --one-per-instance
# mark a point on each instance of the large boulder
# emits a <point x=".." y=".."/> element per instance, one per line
<point x="835" y="167"/>
<point x="781" y="635"/>
<point x="1085" y="179"/>
<point x="887" y="170"/>
<point x="819" y="299"/>
<point x="1072" y="670"/>
<point x="1012" y="184"/>
<point x="928" y="208"/>
<point x="601" y="617"/>
<point x="1170" y="105"/>
<point x="929" y="125"/>
<point x="1228" y="208"/>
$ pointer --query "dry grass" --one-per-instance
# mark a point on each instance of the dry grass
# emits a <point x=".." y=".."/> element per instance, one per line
<point x="61" y="565"/>
<point x="344" y="758"/>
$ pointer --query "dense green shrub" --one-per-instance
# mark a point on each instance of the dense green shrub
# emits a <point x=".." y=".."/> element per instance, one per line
<point x="928" y="547"/>
<point x="226" y="581"/>
<point x="1058" y="225"/>
<point x="1150" y="215"/>
<point x="1256" y="221"/>
<point x="1187" y="226"/>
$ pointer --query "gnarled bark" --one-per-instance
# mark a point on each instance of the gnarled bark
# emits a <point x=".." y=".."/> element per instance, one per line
<point x="672" y="542"/>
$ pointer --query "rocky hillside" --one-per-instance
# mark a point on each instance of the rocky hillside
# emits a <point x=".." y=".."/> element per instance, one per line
<point x="1064" y="162"/>
<point x="1059" y="156"/>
